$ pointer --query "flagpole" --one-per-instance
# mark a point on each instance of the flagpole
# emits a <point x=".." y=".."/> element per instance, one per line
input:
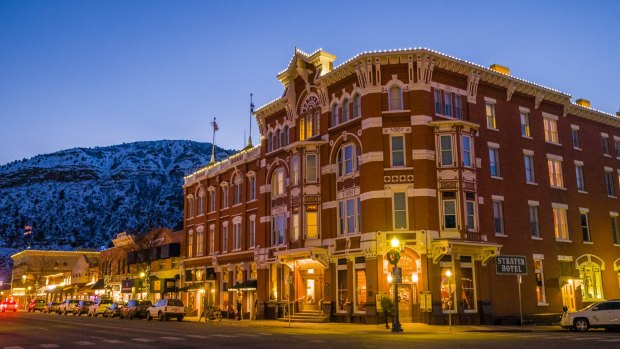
<point x="251" y="112"/>
<point x="214" y="124"/>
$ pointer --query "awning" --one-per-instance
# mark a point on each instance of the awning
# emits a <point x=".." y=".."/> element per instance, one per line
<point x="248" y="285"/>
<point x="73" y="287"/>
<point x="99" y="285"/>
<point x="193" y="287"/>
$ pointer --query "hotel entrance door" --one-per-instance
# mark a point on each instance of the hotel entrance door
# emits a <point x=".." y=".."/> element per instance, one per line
<point x="404" y="303"/>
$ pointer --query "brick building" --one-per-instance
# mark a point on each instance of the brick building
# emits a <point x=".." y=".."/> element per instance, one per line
<point x="460" y="162"/>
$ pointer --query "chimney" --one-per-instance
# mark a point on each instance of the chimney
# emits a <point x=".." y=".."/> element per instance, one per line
<point x="500" y="69"/>
<point x="583" y="103"/>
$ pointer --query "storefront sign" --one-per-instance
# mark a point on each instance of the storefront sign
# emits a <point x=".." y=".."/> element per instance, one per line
<point x="511" y="265"/>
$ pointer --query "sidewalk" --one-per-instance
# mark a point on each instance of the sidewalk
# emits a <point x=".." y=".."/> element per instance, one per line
<point x="409" y="328"/>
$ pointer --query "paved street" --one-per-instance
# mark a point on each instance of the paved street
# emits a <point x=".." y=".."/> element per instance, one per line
<point x="28" y="330"/>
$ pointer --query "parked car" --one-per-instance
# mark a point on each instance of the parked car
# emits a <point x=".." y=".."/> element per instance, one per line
<point x="51" y="307"/>
<point x="135" y="308"/>
<point x="165" y="309"/>
<point x="597" y="315"/>
<point x="114" y="309"/>
<point x="9" y="305"/>
<point x="67" y="306"/>
<point x="99" y="307"/>
<point x="82" y="307"/>
<point x="36" y="305"/>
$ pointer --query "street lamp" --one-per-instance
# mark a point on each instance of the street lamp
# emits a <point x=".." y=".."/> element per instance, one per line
<point x="449" y="276"/>
<point x="393" y="256"/>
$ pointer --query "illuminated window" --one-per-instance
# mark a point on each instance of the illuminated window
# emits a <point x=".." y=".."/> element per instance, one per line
<point x="341" y="281"/>
<point x="200" y="241"/>
<point x="525" y="124"/>
<point x="556" y="179"/>
<point x="398" y="150"/>
<point x="551" y="130"/>
<point x="277" y="183"/>
<point x="211" y="239"/>
<point x="312" y="222"/>
<point x="396" y="98"/>
<point x="360" y="290"/>
<point x="592" y="286"/>
<point x="490" y="115"/>
<point x="448" y="286"/>
<point x="560" y="226"/>
<point x="540" y="282"/>
<point x="295" y="224"/>
<point x="468" y="285"/>
<point x="190" y="244"/>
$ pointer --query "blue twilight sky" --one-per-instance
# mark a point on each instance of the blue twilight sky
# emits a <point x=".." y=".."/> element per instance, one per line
<point x="86" y="73"/>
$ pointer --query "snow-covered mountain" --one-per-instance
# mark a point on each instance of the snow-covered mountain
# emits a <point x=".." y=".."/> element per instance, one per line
<point x="80" y="198"/>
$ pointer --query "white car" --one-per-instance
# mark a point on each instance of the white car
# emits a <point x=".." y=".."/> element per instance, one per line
<point x="164" y="309"/>
<point x="597" y="315"/>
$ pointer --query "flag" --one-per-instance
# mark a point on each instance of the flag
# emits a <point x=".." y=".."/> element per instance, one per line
<point x="27" y="230"/>
<point x="215" y="127"/>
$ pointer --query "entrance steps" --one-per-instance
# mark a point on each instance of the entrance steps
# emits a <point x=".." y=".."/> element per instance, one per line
<point x="315" y="316"/>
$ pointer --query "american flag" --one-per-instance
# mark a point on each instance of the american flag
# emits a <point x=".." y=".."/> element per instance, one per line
<point x="215" y="127"/>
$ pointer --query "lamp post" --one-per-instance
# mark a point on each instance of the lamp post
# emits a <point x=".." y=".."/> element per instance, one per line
<point x="449" y="276"/>
<point x="393" y="257"/>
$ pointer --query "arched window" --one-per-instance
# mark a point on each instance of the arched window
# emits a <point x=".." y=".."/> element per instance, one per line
<point x="334" y="116"/>
<point x="274" y="142"/>
<point x="347" y="159"/>
<point x="396" y="98"/>
<point x="285" y="134"/>
<point x="269" y="142"/>
<point x="201" y="195"/>
<point x="345" y="110"/>
<point x="190" y="206"/>
<point x="277" y="140"/>
<point x="237" y="190"/>
<point x="590" y="272"/>
<point x="277" y="183"/>
<point x="357" y="106"/>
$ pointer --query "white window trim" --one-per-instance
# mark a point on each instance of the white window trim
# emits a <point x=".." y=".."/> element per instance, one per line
<point x="404" y="150"/>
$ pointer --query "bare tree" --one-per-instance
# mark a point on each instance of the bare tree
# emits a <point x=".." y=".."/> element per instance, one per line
<point x="106" y="269"/>
<point x="143" y="245"/>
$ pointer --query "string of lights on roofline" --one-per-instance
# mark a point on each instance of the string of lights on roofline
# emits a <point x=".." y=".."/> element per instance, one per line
<point x="428" y="50"/>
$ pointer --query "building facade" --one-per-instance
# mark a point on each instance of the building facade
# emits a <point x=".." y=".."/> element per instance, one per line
<point x="460" y="162"/>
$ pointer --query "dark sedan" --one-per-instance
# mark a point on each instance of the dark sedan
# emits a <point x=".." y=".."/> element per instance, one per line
<point x="135" y="308"/>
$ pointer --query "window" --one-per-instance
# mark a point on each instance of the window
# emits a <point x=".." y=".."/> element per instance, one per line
<point x="285" y="140"/>
<point x="458" y="106"/>
<point x="585" y="226"/>
<point x="309" y="125"/>
<point x="534" y="224"/>
<point x="252" y="183"/>
<point x="398" y="151"/>
<point x="609" y="182"/>
<point x="360" y="290"/>
<point x="540" y="282"/>
<point x="200" y="240"/>
<point x="312" y="222"/>
<point x="615" y="230"/>
<point x="470" y="208"/>
<point x="190" y="206"/>
<point x="448" y="104"/>
<point x="357" y="106"/>
<point x="252" y="227"/>
<point x="617" y="146"/>
<point x="449" y="210"/>
<point x="277" y="139"/>
<point x="211" y="239"/>
<point x="211" y="201"/>
<point x="560" y="226"/>
<point x="347" y="159"/>
<point x="555" y="173"/>
<point x="236" y="236"/>
<point x="200" y="203"/>
<point x="575" y="136"/>
<point x="551" y="130"/>
<point x="438" y="102"/>
<point x="448" y="288"/>
<point x="278" y="229"/>
<point x="445" y="144"/>
<point x="269" y="142"/>
<point x="295" y="170"/>
<point x="581" y="184"/>
<point x="224" y="237"/>
<point x="498" y="217"/>
<point x="494" y="162"/>
<point x="295" y="225"/>
<point x="605" y="140"/>
<point x="277" y="183"/>
<point x="348" y="212"/>
<point x="311" y="168"/>
<point x="334" y="115"/>
<point x="237" y="191"/>
<point x="525" y="124"/>
<point x="490" y="115"/>
<point x="592" y="285"/>
<point x="468" y="294"/>
<point x="529" y="168"/>
<point x="225" y="196"/>
<point x="343" y="297"/>
<point x="396" y="98"/>
<point x="190" y="244"/>
<point x="399" y="205"/>
<point x="466" y="149"/>
<point x="345" y="110"/>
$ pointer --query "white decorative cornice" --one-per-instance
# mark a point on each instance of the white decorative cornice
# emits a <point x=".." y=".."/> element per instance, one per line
<point x="372" y="123"/>
<point x="423" y="154"/>
<point x="373" y="156"/>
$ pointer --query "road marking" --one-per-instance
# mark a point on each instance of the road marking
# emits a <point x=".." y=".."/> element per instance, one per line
<point x="223" y="335"/>
<point x="112" y="341"/>
<point x="196" y="336"/>
<point x="173" y="338"/>
<point x="248" y="335"/>
<point x="143" y="340"/>
<point x="265" y="334"/>
<point x="49" y="345"/>
<point x="609" y="340"/>
<point x="84" y="343"/>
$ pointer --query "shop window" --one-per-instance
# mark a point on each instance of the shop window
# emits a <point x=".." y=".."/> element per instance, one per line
<point x="468" y="285"/>
<point x="343" y="297"/>
<point x="540" y="282"/>
<point x="448" y="286"/>
<point x="360" y="290"/>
